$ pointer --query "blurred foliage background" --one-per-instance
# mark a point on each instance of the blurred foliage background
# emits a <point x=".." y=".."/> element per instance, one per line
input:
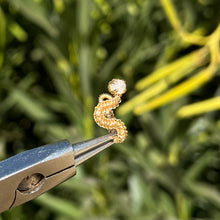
<point x="57" y="56"/>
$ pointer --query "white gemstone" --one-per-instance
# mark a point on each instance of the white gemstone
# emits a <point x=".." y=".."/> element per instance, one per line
<point x="117" y="86"/>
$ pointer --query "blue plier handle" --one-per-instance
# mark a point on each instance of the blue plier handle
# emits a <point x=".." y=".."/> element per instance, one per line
<point x="31" y="173"/>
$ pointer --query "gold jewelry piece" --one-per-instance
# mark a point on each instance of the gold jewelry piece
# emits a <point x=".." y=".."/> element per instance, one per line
<point x="104" y="115"/>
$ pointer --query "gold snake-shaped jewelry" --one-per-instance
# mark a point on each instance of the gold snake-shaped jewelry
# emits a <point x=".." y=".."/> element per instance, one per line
<point x="103" y="113"/>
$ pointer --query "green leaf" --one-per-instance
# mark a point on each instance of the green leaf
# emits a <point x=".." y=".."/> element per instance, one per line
<point x="60" y="206"/>
<point x="35" y="13"/>
<point x="31" y="106"/>
<point x="2" y="36"/>
<point x="204" y="191"/>
<point x="199" y="165"/>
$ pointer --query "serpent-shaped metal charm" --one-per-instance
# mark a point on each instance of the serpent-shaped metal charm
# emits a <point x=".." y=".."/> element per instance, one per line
<point x="103" y="113"/>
